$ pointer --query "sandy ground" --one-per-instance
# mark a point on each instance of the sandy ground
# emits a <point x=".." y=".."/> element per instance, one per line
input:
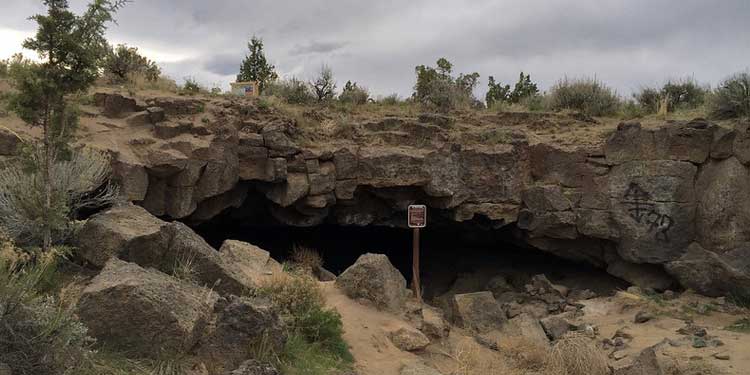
<point x="366" y="331"/>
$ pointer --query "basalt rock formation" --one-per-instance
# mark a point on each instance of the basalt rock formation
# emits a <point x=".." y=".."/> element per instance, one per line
<point x="651" y="204"/>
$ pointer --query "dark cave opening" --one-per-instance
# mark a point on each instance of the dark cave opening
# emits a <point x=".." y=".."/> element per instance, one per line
<point x="449" y="250"/>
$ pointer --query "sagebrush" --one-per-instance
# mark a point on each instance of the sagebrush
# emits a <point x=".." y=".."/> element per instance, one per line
<point x="587" y="95"/>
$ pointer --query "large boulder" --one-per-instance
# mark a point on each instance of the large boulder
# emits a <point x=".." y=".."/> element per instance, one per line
<point x="143" y="312"/>
<point x="131" y="233"/>
<point x="113" y="232"/>
<point x="373" y="278"/>
<point x="238" y="326"/>
<point x="478" y="312"/>
<point x="713" y="274"/>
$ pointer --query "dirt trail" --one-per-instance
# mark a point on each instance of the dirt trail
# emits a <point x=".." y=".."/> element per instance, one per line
<point x="366" y="330"/>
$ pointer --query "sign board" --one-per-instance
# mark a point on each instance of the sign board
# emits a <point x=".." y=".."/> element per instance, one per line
<point x="417" y="216"/>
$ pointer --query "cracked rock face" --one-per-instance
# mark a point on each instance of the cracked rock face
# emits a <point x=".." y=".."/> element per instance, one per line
<point x="639" y="195"/>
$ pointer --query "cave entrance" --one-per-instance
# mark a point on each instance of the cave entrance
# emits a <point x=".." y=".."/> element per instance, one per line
<point x="457" y="253"/>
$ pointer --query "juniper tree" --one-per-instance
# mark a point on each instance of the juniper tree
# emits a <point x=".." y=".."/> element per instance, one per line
<point x="71" y="48"/>
<point x="255" y="67"/>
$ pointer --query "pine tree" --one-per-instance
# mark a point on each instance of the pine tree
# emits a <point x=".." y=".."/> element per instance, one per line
<point x="255" y="67"/>
<point x="71" y="48"/>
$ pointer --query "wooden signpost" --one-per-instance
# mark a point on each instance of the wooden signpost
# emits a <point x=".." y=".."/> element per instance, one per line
<point x="417" y="220"/>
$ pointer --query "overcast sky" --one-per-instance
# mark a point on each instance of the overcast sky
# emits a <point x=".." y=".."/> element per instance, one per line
<point x="627" y="44"/>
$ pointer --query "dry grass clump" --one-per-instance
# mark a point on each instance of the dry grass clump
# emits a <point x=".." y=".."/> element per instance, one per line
<point x="525" y="353"/>
<point x="468" y="359"/>
<point x="575" y="354"/>
<point x="305" y="258"/>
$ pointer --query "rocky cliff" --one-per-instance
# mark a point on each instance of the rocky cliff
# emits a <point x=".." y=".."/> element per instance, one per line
<point x="644" y="202"/>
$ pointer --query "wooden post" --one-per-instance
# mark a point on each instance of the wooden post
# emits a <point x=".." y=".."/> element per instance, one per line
<point x="416" y="287"/>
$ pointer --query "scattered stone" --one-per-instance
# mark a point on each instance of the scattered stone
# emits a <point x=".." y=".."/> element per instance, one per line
<point x="527" y="327"/>
<point x="148" y="313"/>
<point x="647" y="363"/>
<point x="373" y="278"/>
<point x="669" y="295"/>
<point x="433" y="323"/>
<point x="618" y="355"/>
<point x="643" y="317"/>
<point x="699" y="342"/>
<point x="408" y="339"/>
<point x="722" y="356"/>
<point x="623" y="334"/>
<point x="556" y="327"/>
<point x="156" y="114"/>
<point x="477" y="311"/>
<point x="691" y="329"/>
<point x="419" y="369"/>
<point x="581" y="295"/>
<point x="716" y="342"/>
<point x="487" y="341"/>
<point x="254" y="367"/>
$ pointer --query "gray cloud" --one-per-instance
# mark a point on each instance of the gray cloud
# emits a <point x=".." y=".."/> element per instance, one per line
<point x="316" y="47"/>
<point x="627" y="44"/>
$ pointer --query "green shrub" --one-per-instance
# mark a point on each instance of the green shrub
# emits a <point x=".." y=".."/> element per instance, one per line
<point x="438" y="89"/>
<point x="392" y="99"/>
<point x="292" y="91"/>
<point x="732" y="98"/>
<point x="683" y="94"/>
<point x="191" y="86"/>
<point x="522" y="91"/>
<point x="39" y="335"/>
<point x="315" y="333"/>
<point x="648" y="99"/>
<point x="304" y="358"/>
<point x="632" y="109"/>
<point x="122" y="62"/>
<point x="587" y="95"/>
<point x="354" y="94"/>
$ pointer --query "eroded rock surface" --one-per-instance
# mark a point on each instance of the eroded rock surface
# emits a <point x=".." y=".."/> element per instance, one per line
<point x="144" y="312"/>
<point x="630" y="198"/>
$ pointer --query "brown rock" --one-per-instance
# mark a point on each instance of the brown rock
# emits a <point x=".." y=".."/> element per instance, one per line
<point x="373" y="278"/>
<point x="478" y="312"/>
<point x="408" y="339"/>
<point x="136" y="302"/>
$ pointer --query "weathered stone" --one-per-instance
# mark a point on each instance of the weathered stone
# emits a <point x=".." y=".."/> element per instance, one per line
<point x="286" y="193"/>
<point x="545" y="198"/>
<point x="132" y="179"/>
<point x="527" y="327"/>
<point x="642" y="275"/>
<point x="346" y="164"/>
<point x="643" y="317"/>
<point x="345" y="189"/>
<point x="115" y="105"/>
<point x="178" y="106"/>
<point x="478" y="312"/>
<point x="323" y="181"/>
<point x="556" y="327"/>
<point x="239" y="325"/>
<point x="168" y="130"/>
<point x="276" y="139"/>
<point x="408" y="339"/>
<point x="647" y="363"/>
<point x="653" y="204"/>
<point x="433" y="323"/>
<point x="156" y="114"/>
<point x="251" y="261"/>
<point x="148" y="313"/>
<point x="712" y="274"/>
<point x="722" y="220"/>
<point x="419" y="369"/>
<point x="373" y="278"/>
<point x="107" y="234"/>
